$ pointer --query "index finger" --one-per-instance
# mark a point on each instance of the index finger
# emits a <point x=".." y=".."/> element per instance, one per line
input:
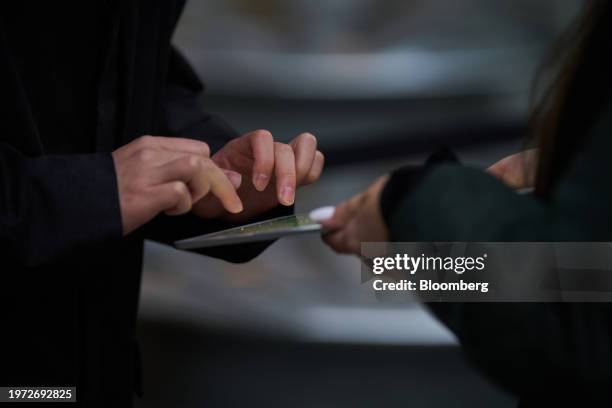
<point x="224" y="190"/>
<point x="284" y="167"/>
<point x="202" y="176"/>
<point x="262" y="147"/>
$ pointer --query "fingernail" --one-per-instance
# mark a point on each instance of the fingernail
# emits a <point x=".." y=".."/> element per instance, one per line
<point x="235" y="179"/>
<point x="238" y="208"/>
<point x="260" y="181"/>
<point x="287" y="195"/>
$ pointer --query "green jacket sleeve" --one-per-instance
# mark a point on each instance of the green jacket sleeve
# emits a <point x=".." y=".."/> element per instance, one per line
<point x="523" y="347"/>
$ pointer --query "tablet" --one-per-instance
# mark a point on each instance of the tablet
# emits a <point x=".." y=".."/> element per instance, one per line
<point x="257" y="232"/>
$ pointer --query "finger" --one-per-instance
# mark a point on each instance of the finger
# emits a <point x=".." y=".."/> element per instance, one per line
<point x="346" y="240"/>
<point x="343" y="214"/>
<point x="338" y="219"/>
<point x="222" y="188"/>
<point x="234" y="177"/>
<point x="498" y="169"/>
<point x="262" y="147"/>
<point x="201" y="176"/>
<point x="509" y="172"/>
<point x="284" y="169"/>
<point x="173" y="198"/>
<point x="353" y="239"/>
<point x="173" y="144"/>
<point x="316" y="169"/>
<point x="305" y="148"/>
<point x="188" y="169"/>
<point x="210" y="207"/>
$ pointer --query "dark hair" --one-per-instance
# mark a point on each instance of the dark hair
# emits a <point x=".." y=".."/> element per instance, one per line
<point x="577" y="85"/>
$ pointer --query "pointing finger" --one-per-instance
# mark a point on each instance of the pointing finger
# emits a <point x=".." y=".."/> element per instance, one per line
<point x="305" y="148"/>
<point x="285" y="173"/>
<point x="262" y="146"/>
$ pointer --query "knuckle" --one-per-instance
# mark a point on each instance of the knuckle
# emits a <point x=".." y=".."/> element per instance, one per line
<point x="145" y="140"/>
<point x="205" y="186"/>
<point x="312" y="177"/>
<point x="308" y="138"/>
<point x="207" y="163"/>
<point x="205" y="149"/>
<point x="282" y="147"/>
<point x="145" y="154"/>
<point x="141" y="182"/>
<point x="194" y="162"/>
<point x="179" y="190"/>
<point x="288" y="174"/>
<point x="359" y="202"/>
<point x="261" y="134"/>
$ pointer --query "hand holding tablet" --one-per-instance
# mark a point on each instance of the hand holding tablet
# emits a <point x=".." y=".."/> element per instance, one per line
<point x="322" y="214"/>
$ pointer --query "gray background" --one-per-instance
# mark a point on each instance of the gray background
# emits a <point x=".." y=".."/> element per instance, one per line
<point x="381" y="83"/>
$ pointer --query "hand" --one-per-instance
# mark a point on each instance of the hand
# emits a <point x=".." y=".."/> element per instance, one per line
<point x="517" y="171"/>
<point x="357" y="220"/>
<point x="158" y="174"/>
<point x="271" y="172"/>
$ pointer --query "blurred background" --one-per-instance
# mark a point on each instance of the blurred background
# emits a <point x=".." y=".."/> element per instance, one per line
<point x="381" y="83"/>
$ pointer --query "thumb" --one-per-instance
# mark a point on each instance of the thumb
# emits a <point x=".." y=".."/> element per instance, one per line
<point x="339" y="218"/>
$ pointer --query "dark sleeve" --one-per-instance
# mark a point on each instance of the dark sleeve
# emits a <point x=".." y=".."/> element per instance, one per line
<point x="185" y="117"/>
<point x="54" y="205"/>
<point x="183" y="111"/>
<point x="518" y="345"/>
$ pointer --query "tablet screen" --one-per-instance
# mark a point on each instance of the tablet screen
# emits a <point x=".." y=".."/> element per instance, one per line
<point x="270" y="225"/>
<point x="260" y="231"/>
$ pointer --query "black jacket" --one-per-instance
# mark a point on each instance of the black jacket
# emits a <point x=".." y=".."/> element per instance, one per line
<point x="77" y="80"/>
<point x="547" y="354"/>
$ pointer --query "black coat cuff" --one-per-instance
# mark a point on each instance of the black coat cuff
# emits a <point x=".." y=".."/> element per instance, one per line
<point x="404" y="180"/>
<point x="74" y="203"/>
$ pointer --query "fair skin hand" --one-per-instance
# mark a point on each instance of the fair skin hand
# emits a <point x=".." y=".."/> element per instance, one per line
<point x="158" y="174"/>
<point x="357" y="220"/>
<point x="176" y="176"/>
<point x="517" y="171"/>
<point x="271" y="172"/>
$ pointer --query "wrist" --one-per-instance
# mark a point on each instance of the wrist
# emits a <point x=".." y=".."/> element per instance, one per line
<point x="405" y="180"/>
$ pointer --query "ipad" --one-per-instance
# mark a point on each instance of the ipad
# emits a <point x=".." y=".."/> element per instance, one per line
<point x="257" y="232"/>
